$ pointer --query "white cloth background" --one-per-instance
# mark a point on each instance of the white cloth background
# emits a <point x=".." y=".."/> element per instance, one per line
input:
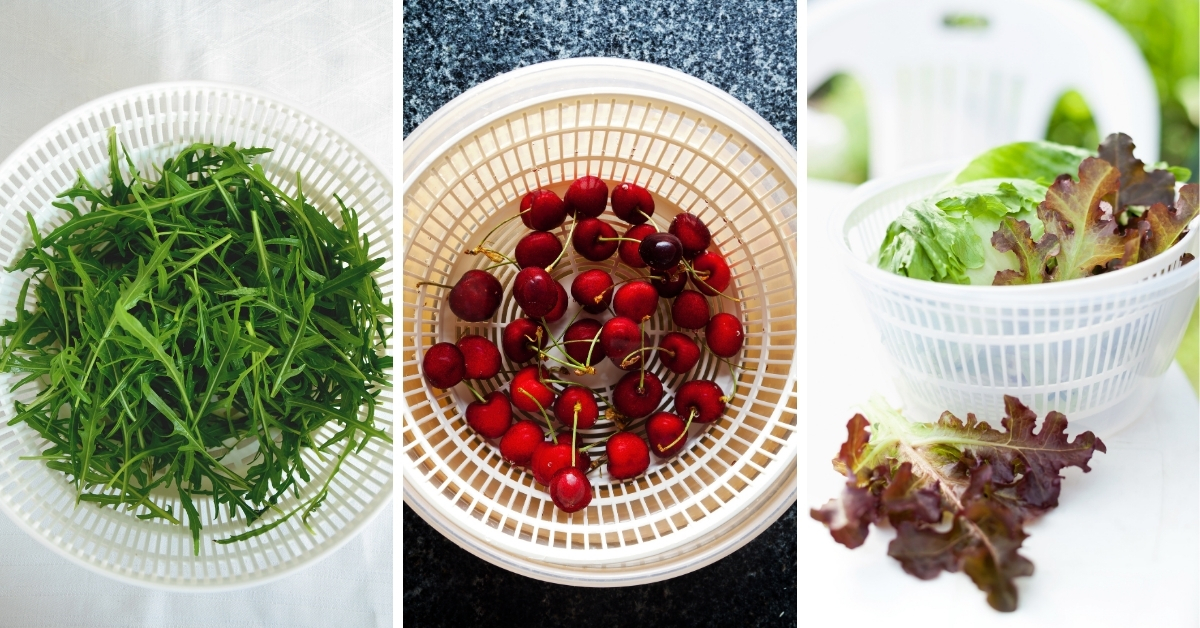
<point x="330" y="59"/>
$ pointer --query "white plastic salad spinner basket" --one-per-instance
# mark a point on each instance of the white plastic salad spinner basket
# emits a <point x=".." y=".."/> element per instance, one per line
<point x="695" y="149"/>
<point x="1091" y="348"/>
<point x="154" y="122"/>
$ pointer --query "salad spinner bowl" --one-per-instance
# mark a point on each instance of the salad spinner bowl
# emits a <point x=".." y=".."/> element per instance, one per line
<point x="694" y="148"/>
<point x="155" y="122"/>
<point x="1092" y="348"/>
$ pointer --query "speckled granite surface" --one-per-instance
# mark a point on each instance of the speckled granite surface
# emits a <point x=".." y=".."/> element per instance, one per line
<point x="745" y="47"/>
<point x="749" y="50"/>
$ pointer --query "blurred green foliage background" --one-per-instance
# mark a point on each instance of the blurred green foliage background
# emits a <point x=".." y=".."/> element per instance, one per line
<point x="1168" y="33"/>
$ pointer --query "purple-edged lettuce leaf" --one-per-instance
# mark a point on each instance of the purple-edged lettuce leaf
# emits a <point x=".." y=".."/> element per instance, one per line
<point x="958" y="492"/>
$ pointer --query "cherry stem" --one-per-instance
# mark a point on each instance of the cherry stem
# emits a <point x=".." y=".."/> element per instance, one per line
<point x="642" y="341"/>
<point x="574" y="430"/>
<point x="732" y="369"/>
<point x="560" y="381"/>
<point x="602" y="239"/>
<point x="497" y="227"/>
<point x="599" y="442"/>
<point x="626" y="280"/>
<point x="508" y="263"/>
<point x="553" y="433"/>
<point x="475" y="392"/>
<point x="648" y="218"/>
<point x="691" y="415"/>
<point x="722" y="294"/>
<point x="430" y="283"/>
<point x="564" y="249"/>
<point x="592" y="347"/>
<point x="547" y="355"/>
<point x="597" y="463"/>
<point x="696" y="274"/>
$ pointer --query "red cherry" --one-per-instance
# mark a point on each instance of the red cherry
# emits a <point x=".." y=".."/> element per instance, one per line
<point x="690" y="310"/>
<point x="522" y="339"/>
<point x="622" y="341"/>
<point x="443" y="365"/>
<point x="480" y="355"/>
<point x="702" y="397"/>
<point x="628" y="456"/>
<point x="661" y="251"/>
<point x="636" y="299"/>
<point x="534" y="291"/>
<point x="628" y="251"/>
<point x="528" y="393"/>
<point x="491" y="417"/>
<point x="667" y="434"/>
<point x="520" y="441"/>
<point x="724" y="335"/>
<point x="577" y="402"/>
<point x="632" y="203"/>
<point x="539" y="248"/>
<point x="579" y="342"/>
<point x="686" y="352"/>
<point x="592" y="289"/>
<point x="560" y="307"/>
<point x="587" y="197"/>
<point x="672" y="282"/>
<point x="587" y="239"/>
<point x="570" y="490"/>
<point x="542" y="210"/>
<point x="692" y="233"/>
<point x="634" y="397"/>
<point x="549" y="457"/>
<point x="475" y="296"/>
<point x="718" y="277"/>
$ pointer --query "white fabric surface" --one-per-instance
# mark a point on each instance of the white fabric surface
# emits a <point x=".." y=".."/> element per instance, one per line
<point x="332" y="60"/>
<point x="1120" y="550"/>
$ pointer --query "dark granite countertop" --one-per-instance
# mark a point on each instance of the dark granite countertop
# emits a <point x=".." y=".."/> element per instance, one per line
<point x="747" y="48"/>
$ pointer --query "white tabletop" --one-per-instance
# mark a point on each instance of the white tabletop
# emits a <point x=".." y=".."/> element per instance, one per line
<point x="1122" y="549"/>
<point x="330" y="59"/>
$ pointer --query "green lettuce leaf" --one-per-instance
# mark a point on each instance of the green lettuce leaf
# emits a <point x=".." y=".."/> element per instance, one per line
<point x="945" y="237"/>
<point x="1042" y="162"/>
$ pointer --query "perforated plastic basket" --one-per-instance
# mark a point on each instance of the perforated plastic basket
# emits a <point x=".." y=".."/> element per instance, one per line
<point x="1090" y="348"/>
<point x="695" y="149"/>
<point x="154" y="122"/>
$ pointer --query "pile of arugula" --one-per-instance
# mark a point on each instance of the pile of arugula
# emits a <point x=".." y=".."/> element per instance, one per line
<point x="957" y="493"/>
<point x="1042" y="223"/>
<point x="178" y="319"/>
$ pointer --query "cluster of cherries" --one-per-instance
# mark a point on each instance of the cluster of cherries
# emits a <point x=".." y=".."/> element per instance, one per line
<point x="672" y="259"/>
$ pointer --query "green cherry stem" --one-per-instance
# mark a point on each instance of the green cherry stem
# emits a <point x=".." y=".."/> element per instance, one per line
<point x="691" y="415"/>
<point x="430" y="283"/>
<point x="475" y="392"/>
<point x="497" y="227"/>
<point x="642" y="369"/>
<point x="574" y="430"/>
<point x="501" y="265"/>
<point x="733" y="368"/>
<point x="560" y="381"/>
<point x="553" y="434"/>
<point x="570" y="234"/>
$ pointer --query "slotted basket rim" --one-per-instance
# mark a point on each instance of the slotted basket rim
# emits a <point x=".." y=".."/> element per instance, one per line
<point x="383" y="498"/>
<point x="1096" y="286"/>
<point x="428" y="502"/>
